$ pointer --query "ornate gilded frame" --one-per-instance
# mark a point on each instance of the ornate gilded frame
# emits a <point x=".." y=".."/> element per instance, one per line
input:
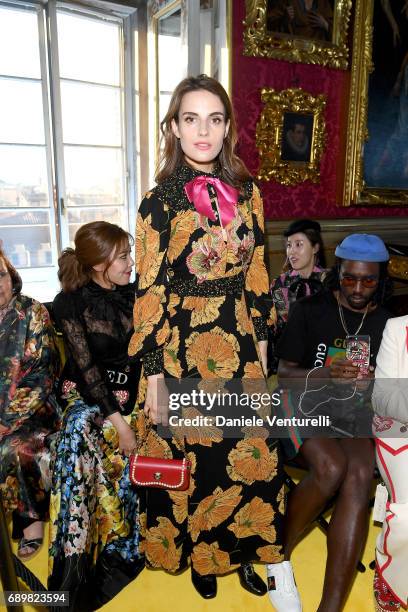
<point x="261" y="43"/>
<point x="355" y="190"/>
<point x="269" y="132"/>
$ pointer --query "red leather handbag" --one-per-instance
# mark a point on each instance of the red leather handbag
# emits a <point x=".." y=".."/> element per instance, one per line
<point x="171" y="474"/>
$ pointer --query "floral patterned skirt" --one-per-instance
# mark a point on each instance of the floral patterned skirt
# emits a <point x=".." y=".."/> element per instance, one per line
<point x="25" y="477"/>
<point x="232" y="512"/>
<point x="94" y="512"/>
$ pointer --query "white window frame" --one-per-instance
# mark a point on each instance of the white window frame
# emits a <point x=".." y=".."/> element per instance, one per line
<point x="46" y="11"/>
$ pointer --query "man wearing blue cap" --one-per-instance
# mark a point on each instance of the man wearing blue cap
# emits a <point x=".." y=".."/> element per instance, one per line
<point x="313" y="345"/>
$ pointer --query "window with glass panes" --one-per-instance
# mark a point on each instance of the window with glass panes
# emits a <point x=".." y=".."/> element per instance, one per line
<point x="67" y="138"/>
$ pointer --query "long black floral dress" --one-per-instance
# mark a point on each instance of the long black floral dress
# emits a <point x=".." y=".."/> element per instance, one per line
<point x="199" y="312"/>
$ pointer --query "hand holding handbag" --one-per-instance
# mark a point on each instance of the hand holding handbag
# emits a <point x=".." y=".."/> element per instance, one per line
<point x="160" y="473"/>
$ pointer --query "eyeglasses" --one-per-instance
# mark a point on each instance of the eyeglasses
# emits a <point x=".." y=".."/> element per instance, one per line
<point x="369" y="282"/>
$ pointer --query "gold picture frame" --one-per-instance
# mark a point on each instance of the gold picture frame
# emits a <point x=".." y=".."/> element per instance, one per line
<point x="290" y="136"/>
<point x="361" y="185"/>
<point x="259" y="41"/>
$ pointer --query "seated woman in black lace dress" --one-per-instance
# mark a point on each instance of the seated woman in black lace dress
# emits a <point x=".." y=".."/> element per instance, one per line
<point x="94" y="540"/>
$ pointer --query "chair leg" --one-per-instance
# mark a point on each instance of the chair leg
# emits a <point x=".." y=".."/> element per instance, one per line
<point x="7" y="572"/>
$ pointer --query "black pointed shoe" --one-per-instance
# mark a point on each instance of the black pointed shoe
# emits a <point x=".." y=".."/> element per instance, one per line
<point x="206" y="586"/>
<point x="250" y="580"/>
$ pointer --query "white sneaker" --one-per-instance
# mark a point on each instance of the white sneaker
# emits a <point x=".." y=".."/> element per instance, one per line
<point x="282" y="588"/>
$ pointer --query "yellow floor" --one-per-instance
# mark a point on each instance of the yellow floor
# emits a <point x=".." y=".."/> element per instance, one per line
<point x="155" y="591"/>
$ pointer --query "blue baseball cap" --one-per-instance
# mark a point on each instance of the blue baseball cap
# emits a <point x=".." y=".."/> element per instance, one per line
<point x="362" y="247"/>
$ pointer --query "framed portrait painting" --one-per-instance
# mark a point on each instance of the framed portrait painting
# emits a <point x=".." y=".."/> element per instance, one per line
<point x="377" y="138"/>
<point x="290" y="136"/>
<point x="309" y="31"/>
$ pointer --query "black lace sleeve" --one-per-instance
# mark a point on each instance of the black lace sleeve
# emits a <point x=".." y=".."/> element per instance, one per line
<point x="67" y="313"/>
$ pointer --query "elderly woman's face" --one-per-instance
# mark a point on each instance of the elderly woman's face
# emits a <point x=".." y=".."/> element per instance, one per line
<point x="6" y="286"/>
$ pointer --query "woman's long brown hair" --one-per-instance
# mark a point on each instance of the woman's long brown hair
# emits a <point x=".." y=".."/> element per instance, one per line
<point x="95" y="243"/>
<point x="233" y="169"/>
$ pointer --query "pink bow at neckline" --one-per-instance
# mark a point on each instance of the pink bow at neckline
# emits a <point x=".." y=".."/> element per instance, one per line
<point x="227" y="197"/>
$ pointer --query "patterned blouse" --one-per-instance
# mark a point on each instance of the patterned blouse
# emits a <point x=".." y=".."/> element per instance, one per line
<point x="285" y="290"/>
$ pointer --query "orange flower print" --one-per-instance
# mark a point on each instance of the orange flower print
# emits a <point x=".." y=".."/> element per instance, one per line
<point x="180" y="505"/>
<point x="171" y="363"/>
<point x="206" y="261"/>
<point x="255" y="432"/>
<point x="141" y="392"/>
<point x="255" y="518"/>
<point x="148" y="255"/>
<point x="270" y="553"/>
<point x="244" y="323"/>
<point x="160" y="547"/>
<point x="174" y="300"/>
<point x="209" y="559"/>
<point x="205" y="435"/>
<point x="213" y="353"/>
<point x="214" y="509"/>
<point x="255" y="312"/>
<point x="203" y="309"/>
<point x="214" y="385"/>
<point x="257" y="277"/>
<point x="254" y="385"/>
<point x="252" y="460"/>
<point x="253" y="370"/>
<point x="180" y="498"/>
<point x="281" y="499"/>
<point x="215" y="230"/>
<point x="180" y="502"/>
<point x="155" y="446"/>
<point x="147" y="312"/>
<point x="163" y="333"/>
<point x="181" y="229"/>
<point x="139" y="424"/>
<point x="257" y="207"/>
<point x="193" y="460"/>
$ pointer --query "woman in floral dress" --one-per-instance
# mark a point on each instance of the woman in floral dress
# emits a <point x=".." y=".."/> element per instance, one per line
<point x="27" y="414"/>
<point x="201" y="313"/>
<point x="94" y="527"/>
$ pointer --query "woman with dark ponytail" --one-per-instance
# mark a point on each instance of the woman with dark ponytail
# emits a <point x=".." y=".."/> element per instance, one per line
<point x="94" y="540"/>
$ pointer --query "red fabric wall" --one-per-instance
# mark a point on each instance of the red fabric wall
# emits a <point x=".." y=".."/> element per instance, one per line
<point x="249" y="75"/>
